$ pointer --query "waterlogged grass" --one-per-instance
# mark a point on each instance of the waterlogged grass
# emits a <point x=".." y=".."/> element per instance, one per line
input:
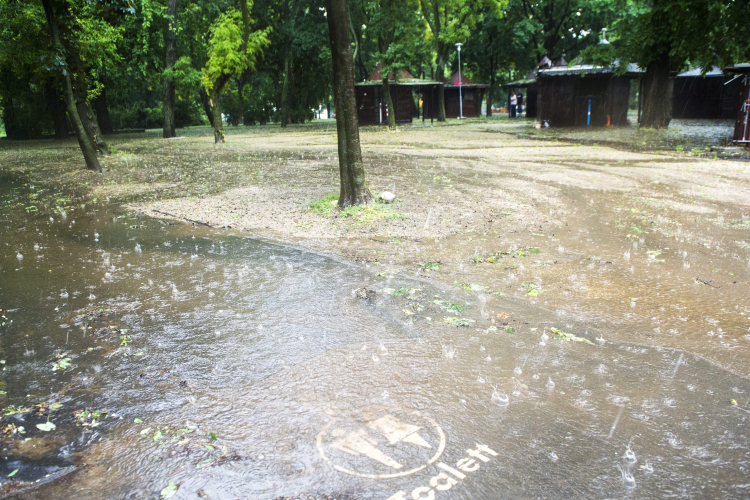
<point x="361" y="214"/>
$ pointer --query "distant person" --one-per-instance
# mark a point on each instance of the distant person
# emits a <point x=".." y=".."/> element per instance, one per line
<point x="520" y="104"/>
<point x="513" y="104"/>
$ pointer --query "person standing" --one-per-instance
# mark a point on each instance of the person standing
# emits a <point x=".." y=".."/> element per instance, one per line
<point x="513" y="103"/>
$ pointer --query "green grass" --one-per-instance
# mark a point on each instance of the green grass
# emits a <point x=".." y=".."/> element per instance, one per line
<point x="324" y="205"/>
<point x="362" y="214"/>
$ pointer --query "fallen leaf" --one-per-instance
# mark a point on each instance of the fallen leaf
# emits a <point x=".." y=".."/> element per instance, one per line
<point x="169" y="490"/>
<point x="47" y="426"/>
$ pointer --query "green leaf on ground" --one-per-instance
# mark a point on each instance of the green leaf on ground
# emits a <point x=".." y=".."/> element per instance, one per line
<point x="46" y="427"/>
<point x="569" y="337"/>
<point x="169" y="490"/>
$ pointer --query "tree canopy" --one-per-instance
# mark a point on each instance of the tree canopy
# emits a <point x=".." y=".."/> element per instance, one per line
<point x="158" y="63"/>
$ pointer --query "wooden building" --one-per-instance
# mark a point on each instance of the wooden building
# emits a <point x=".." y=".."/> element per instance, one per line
<point x="371" y="103"/>
<point x="529" y="87"/>
<point x="472" y="95"/>
<point x="713" y="95"/>
<point x="742" y="107"/>
<point x="584" y="95"/>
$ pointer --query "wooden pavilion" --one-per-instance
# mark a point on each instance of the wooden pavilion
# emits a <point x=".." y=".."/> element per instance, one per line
<point x="472" y="95"/>
<point x="712" y="96"/>
<point x="584" y="95"/>
<point x="371" y="103"/>
<point x="529" y="85"/>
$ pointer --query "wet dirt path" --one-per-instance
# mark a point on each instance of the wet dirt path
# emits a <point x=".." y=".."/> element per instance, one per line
<point x="236" y="367"/>
<point x="649" y="247"/>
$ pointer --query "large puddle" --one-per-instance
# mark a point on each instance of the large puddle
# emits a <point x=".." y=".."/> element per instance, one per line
<point x="140" y="358"/>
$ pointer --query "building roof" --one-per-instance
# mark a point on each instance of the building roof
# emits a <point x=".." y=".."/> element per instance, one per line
<point x="521" y="83"/>
<point x="562" y="62"/>
<point x="738" y="68"/>
<point x="405" y="78"/>
<point x="375" y="76"/>
<point x="465" y="82"/>
<point x="544" y="62"/>
<point x="587" y="69"/>
<point x="713" y="71"/>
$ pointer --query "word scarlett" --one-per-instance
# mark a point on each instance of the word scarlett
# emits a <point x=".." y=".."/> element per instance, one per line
<point x="443" y="481"/>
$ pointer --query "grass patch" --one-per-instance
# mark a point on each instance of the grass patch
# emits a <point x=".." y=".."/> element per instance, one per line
<point x="324" y="205"/>
<point x="362" y="214"/>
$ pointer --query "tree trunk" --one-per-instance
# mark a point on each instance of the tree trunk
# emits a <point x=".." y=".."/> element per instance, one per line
<point x="206" y="106"/>
<point x="57" y="111"/>
<point x="657" y="94"/>
<point x="440" y="77"/>
<point x="170" y="40"/>
<point x="389" y="104"/>
<point x="87" y="146"/>
<point x="492" y="87"/>
<point x="286" y="89"/>
<point x="102" y="113"/>
<point x="354" y="190"/>
<point x="6" y="102"/>
<point x="80" y="93"/>
<point x="216" y="111"/>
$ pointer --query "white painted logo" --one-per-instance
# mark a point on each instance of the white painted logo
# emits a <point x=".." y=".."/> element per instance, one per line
<point x="381" y="442"/>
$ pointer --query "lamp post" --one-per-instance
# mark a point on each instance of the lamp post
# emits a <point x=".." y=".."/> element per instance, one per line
<point x="460" y="93"/>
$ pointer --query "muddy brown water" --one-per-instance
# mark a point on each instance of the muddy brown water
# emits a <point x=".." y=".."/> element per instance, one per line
<point x="238" y="368"/>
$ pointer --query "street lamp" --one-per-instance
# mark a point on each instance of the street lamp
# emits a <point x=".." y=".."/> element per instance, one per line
<point x="460" y="94"/>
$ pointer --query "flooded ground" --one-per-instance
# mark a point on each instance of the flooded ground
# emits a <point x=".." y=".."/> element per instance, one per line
<point x="690" y="137"/>
<point x="549" y="320"/>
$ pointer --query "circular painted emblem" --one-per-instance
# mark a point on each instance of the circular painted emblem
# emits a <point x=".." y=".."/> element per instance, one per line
<point x="381" y="442"/>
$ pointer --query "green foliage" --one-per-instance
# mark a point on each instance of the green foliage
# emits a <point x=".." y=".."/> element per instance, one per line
<point x="645" y="30"/>
<point x="225" y="54"/>
<point x="399" y="33"/>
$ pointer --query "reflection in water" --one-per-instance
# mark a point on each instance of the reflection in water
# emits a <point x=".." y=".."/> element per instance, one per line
<point x="166" y="353"/>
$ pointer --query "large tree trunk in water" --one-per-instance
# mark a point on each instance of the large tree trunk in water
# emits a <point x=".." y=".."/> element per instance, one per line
<point x="657" y="94"/>
<point x="440" y="77"/>
<point x="57" y="111"/>
<point x="87" y="147"/>
<point x="207" y="106"/>
<point x="354" y="189"/>
<point x="170" y="40"/>
<point x="286" y="90"/>
<point x="102" y="113"/>
<point x="389" y="104"/>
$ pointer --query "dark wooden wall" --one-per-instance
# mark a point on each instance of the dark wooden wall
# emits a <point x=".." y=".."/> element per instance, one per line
<point x="371" y="106"/>
<point x="741" y="132"/>
<point x="565" y="100"/>
<point x="472" y="98"/>
<point x="699" y="97"/>
<point x="531" y="101"/>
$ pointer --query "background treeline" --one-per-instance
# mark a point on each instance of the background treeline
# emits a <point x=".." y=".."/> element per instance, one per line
<point x="270" y="59"/>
